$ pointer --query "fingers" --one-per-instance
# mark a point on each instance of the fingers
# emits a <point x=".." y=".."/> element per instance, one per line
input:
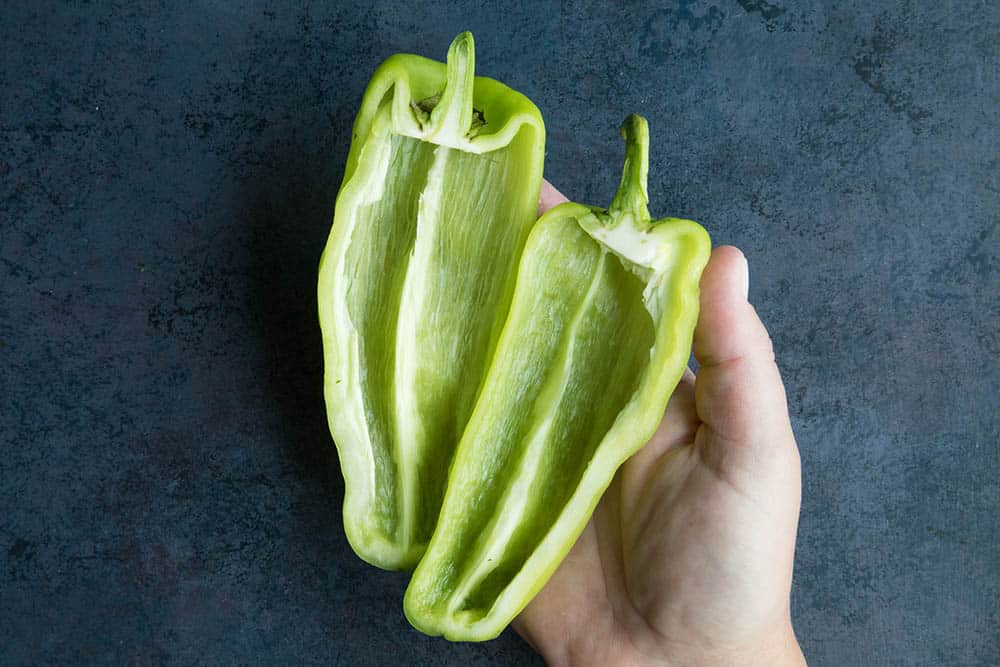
<point x="738" y="392"/>
<point x="550" y="197"/>
<point x="571" y="599"/>
<point x="678" y="426"/>
<point x="728" y="327"/>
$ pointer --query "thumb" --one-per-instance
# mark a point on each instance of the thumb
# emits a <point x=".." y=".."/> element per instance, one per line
<point x="739" y="395"/>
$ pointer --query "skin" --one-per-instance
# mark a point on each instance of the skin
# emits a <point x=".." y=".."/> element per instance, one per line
<point x="688" y="557"/>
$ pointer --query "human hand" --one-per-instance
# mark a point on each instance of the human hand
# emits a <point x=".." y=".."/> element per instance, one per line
<point x="688" y="556"/>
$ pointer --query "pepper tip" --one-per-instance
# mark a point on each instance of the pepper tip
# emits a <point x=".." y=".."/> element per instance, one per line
<point x="463" y="44"/>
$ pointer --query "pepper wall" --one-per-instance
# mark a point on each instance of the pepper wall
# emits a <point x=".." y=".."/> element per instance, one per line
<point x="168" y="489"/>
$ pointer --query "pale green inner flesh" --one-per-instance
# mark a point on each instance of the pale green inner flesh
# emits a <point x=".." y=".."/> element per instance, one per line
<point x="444" y="231"/>
<point x="570" y="360"/>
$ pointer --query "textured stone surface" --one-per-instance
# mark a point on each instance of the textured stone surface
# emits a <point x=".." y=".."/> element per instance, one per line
<point x="168" y="489"/>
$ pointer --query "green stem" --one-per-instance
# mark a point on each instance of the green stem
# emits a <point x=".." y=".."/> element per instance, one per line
<point x="452" y="116"/>
<point x="631" y="199"/>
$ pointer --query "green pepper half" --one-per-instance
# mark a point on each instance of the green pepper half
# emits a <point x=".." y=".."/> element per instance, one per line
<point x="440" y="192"/>
<point x="598" y="336"/>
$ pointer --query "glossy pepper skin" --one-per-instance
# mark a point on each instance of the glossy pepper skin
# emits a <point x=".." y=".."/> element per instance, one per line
<point x="440" y="192"/>
<point x="598" y="336"/>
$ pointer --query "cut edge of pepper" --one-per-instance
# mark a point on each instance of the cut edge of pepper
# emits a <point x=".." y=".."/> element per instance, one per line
<point x="457" y="111"/>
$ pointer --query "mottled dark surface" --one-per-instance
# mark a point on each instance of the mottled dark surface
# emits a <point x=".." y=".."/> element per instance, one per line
<point x="168" y="490"/>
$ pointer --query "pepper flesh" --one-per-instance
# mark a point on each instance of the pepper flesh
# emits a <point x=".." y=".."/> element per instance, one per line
<point x="440" y="191"/>
<point x="598" y="336"/>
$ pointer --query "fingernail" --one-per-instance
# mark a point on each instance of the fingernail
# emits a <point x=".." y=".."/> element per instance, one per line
<point x="745" y="279"/>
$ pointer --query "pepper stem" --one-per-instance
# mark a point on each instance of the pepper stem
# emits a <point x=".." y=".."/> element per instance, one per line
<point x="452" y="115"/>
<point x="631" y="199"/>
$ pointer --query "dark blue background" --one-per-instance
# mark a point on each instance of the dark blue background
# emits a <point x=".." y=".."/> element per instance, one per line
<point x="167" y="177"/>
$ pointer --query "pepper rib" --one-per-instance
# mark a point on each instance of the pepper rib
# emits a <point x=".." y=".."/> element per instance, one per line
<point x="410" y="435"/>
<point x="375" y="155"/>
<point x="514" y="503"/>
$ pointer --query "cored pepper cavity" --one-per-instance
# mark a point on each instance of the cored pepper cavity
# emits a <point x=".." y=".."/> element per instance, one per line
<point x="440" y="191"/>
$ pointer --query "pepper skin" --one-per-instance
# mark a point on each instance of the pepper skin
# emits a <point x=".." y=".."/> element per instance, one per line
<point x="598" y="336"/>
<point x="439" y="194"/>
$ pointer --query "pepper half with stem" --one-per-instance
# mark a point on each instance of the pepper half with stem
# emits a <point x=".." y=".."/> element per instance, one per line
<point x="439" y="194"/>
<point x="598" y="335"/>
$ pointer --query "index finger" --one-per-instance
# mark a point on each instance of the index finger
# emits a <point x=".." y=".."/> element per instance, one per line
<point x="550" y="197"/>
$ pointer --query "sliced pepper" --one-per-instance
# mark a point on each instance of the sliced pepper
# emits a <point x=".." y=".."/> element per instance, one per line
<point x="439" y="194"/>
<point x="598" y="336"/>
